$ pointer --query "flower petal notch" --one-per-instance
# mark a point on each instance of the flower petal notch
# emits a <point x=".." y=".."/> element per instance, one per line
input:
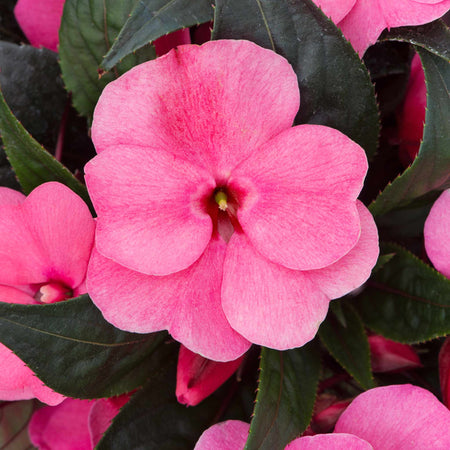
<point x="218" y="220"/>
<point x="437" y="234"/>
<point x="46" y="241"/>
<point x="40" y="21"/>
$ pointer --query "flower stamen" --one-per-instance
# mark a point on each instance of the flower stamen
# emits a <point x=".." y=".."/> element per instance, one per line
<point x="221" y="199"/>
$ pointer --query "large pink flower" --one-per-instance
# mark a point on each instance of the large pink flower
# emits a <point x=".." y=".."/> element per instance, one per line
<point x="45" y="245"/>
<point x="216" y="219"/>
<point x="399" y="417"/>
<point x="437" y="234"/>
<point x="362" y="21"/>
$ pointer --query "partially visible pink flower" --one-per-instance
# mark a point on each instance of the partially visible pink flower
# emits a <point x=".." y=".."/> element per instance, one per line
<point x="363" y="24"/>
<point x="198" y="377"/>
<point x="437" y="234"/>
<point x="389" y="356"/>
<point x="217" y="220"/>
<point x="40" y="20"/>
<point x="412" y="114"/>
<point x="74" y="424"/>
<point x="398" y="417"/>
<point x="335" y="9"/>
<point x="327" y="411"/>
<point x="45" y="245"/>
<point x="444" y="372"/>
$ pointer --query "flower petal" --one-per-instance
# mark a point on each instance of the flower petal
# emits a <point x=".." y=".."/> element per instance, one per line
<point x="335" y="9"/>
<point x="297" y="196"/>
<point x="229" y="435"/>
<point x="62" y="427"/>
<point x="155" y="223"/>
<point x="10" y="197"/>
<point x="437" y="234"/>
<point x="48" y="236"/>
<point x="353" y="269"/>
<point x="267" y="303"/>
<point x="212" y="105"/>
<point x="198" y="377"/>
<point x="186" y="303"/>
<point x="399" y="417"/>
<point x="335" y="441"/>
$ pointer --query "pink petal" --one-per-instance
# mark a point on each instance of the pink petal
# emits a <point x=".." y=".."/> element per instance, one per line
<point x="437" y="234"/>
<point x="297" y="196"/>
<point x="412" y="115"/>
<point x="388" y="356"/>
<point x="341" y="441"/>
<point x="186" y="303"/>
<point x="353" y="269"/>
<point x="40" y="20"/>
<point x="10" y="197"/>
<point x="166" y="43"/>
<point x="335" y="9"/>
<point x="212" y="105"/>
<point x="198" y="377"/>
<point x="399" y="417"/>
<point x="155" y="222"/>
<point x="48" y="237"/>
<point x="267" y="303"/>
<point x="62" y="427"/>
<point x="444" y="372"/>
<point x="327" y="413"/>
<point x="367" y="19"/>
<point x="101" y="414"/>
<point x="229" y="435"/>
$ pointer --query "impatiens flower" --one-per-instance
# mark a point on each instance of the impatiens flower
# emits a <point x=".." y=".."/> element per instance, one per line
<point x="45" y="245"/>
<point x="437" y="234"/>
<point x="217" y="220"/>
<point x="444" y="372"/>
<point x="198" y="377"/>
<point x="40" y="20"/>
<point x="388" y="356"/>
<point x="412" y="115"/>
<point x="366" y="19"/>
<point x="74" y="424"/>
<point x="399" y="417"/>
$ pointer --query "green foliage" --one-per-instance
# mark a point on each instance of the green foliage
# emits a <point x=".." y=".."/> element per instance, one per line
<point x="406" y="300"/>
<point x="76" y="352"/>
<point x="88" y="28"/>
<point x="152" y="19"/>
<point x="335" y="92"/>
<point x="286" y="394"/>
<point x="32" y="164"/>
<point x="430" y="170"/>
<point x="344" y="336"/>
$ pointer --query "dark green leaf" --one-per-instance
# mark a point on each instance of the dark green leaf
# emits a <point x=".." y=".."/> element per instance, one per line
<point x="347" y="342"/>
<point x="88" y="28"/>
<point x="14" y="419"/>
<point x="154" y="420"/>
<point x="433" y="36"/>
<point x="407" y="300"/>
<point x="335" y="87"/>
<point x="152" y="19"/>
<point x="286" y="395"/>
<point x="382" y="261"/>
<point x="32" y="164"/>
<point x="430" y="170"/>
<point x="75" y="351"/>
<point x="30" y="79"/>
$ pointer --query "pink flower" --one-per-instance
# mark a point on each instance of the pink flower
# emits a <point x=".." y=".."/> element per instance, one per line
<point x="217" y="220"/>
<point x="388" y="356"/>
<point x="412" y="115"/>
<point x="362" y="21"/>
<point x="40" y="20"/>
<point x="399" y="417"/>
<point x="45" y="244"/>
<point x="198" y="377"/>
<point x="444" y="371"/>
<point x="437" y="234"/>
<point x="74" y="424"/>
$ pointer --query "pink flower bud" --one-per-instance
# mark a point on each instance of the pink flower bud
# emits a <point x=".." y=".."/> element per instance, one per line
<point x="389" y="356"/>
<point x="198" y="377"/>
<point x="328" y="411"/>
